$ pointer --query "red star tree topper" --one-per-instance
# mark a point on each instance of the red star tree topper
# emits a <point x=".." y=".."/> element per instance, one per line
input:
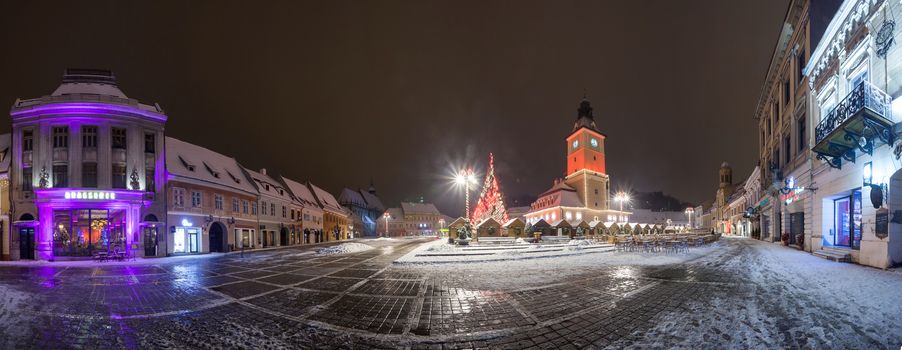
<point x="491" y="202"/>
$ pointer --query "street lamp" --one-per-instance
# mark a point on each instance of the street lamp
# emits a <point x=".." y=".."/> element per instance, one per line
<point x="386" y="217"/>
<point x="465" y="177"/>
<point x="441" y="223"/>
<point x="621" y="197"/>
<point x="689" y="212"/>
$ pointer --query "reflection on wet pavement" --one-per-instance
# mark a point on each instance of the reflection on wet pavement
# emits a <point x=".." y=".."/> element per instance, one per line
<point x="295" y="298"/>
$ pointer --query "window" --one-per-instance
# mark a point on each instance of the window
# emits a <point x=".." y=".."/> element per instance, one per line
<point x="803" y="134"/>
<point x="254" y="209"/>
<point x="119" y="176"/>
<point x="149" y="183"/>
<point x="89" y="136"/>
<point x="800" y="65"/>
<point x="244" y="206"/>
<point x="26" y="179"/>
<point x="196" y="199"/>
<point x="89" y="175"/>
<point x="596" y="191"/>
<point x="787" y="150"/>
<point x="284" y="212"/>
<point x="217" y="202"/>
<point x="60" y="136"/>
<point x="150" y="143"/>
<point x="60" y="175"/>
<point x="272" y="209"/>
<point x="119" y="139"/>
<point x="178" y="197"/>
<point x="27" y="140"/>
<point x="786" y="94"/>
<point x="263" y="205"/>
<point x="235" y="207"/>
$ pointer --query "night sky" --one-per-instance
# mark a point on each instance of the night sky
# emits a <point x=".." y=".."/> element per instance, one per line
<point x="339" y="92"/>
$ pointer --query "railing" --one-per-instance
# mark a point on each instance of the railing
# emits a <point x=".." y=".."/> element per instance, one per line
<point x="862" y="96"/>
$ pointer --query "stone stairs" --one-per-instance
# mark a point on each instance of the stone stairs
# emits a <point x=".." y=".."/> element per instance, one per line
<point x="835" y="254"/>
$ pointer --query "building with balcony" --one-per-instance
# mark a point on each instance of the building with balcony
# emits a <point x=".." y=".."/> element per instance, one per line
<point x="855" y="77"/>
<point x="87" y="164"/>
<point x="784" y="123"/>
<point x="210" y="202"/>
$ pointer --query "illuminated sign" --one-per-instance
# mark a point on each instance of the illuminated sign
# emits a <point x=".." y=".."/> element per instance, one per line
<point x="90" y="195"/>
<point x="792" y="196"/>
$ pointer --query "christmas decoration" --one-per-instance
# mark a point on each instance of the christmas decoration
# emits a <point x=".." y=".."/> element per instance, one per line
<point x="491" y="202"/>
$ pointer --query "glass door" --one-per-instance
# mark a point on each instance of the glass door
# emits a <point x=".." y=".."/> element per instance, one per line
<point x="847" y="220"/>
<point x="193" y="240"/>
<point x="26" y="243"/>
<point x="150" y="241"/>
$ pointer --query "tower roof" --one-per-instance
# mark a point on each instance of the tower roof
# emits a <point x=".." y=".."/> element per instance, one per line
<point x="89" y="81"/>
<point x="584" y="117"/>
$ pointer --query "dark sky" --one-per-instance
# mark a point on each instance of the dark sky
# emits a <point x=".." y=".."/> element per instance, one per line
<point x="338" y="92"/>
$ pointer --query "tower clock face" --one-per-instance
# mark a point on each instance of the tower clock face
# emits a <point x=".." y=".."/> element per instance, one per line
<point x="594" y="142"/>
<point x="575" y="143"/>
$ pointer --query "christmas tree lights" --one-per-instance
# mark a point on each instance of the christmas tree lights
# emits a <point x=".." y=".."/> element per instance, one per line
<point x="491" y="202"/>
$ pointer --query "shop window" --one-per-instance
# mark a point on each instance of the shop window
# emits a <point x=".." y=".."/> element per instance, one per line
<point x="89" y="136"/>
<point x="60" y="136"/>
<point x="118" y="172"/>
<point x="60" y="175"/>
<point x="89" y="175"/>
<point x="119" y="138"/>
<point x="847" y="220"/>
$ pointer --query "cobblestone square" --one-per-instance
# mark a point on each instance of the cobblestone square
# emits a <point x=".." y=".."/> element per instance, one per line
<point x="710" y="300"/>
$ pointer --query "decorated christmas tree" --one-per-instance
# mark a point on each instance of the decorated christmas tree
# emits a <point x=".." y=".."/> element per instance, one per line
<point x="491" y="202"/>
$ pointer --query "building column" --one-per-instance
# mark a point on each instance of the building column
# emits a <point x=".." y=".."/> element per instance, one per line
<point x="44" y="244"/>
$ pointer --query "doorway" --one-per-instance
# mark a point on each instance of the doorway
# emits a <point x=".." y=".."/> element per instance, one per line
<point x="847" y="220"/>
<point x="217" y="233"/>
<point x="284" y="236"/>
<point x="26" y="243"/>
<point x="150" y="241"/>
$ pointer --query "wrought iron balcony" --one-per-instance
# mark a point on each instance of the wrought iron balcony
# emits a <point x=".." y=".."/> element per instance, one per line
<point x="862" y="117"/>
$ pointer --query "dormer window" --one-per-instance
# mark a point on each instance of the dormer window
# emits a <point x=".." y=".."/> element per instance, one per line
<point x="237" y="180"/>
<point x="266" y="186"/>
<point x="212" y="172"/>
<point x="187" y="165"/>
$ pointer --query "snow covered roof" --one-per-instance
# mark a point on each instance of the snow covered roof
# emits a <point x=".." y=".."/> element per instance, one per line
<point x="301" y="193"/>
<point x="269" y="186"/>
<point x="561" y="223"/>
<point x="4" y="152"/>
<point x="488" y="221"/>
<point x="89" y="81"/>
<point x="458" y="221"/>
<point x="351" y="197"/>
<point x="190" y="161"/>
<point x="595" y="223"/>
<point x="372" y="201"/>
<point x="560" y="194"/>
<point x="419" y="208"/>
<point x="396" y="213"/>
<point x="512" y="222"/>
<point x="326" y="199"/>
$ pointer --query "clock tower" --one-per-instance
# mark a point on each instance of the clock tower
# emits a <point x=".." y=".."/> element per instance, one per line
<point x="585" y="160"/>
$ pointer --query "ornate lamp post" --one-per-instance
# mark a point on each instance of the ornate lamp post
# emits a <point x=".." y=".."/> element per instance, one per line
<point x="386" y="217"/>
<point x="689" y="212"/>
<point x="465" y="177"/>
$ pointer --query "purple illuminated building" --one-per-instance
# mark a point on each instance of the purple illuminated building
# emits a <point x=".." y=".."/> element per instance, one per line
<point x="87" y="172"/>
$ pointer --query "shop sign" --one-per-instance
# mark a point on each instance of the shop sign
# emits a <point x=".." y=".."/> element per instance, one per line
<point x="90" y="195"/>
<point x="792" y="196"/>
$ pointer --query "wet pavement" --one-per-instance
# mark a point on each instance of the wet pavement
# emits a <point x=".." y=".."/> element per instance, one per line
<point x="293" y="298"/>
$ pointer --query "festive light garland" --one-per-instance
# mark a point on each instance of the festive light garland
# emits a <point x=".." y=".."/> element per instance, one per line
<point x="491" y="202"/>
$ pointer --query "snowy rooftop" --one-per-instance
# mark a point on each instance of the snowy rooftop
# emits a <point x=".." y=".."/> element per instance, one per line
<point x="326" y="199"/>
<point x="269" y="186"/>
<point x="87" y="85"/>
<point x="349" y="196"/>
<point x="419" y="208"/>
<point x="191" y="161"/>
<point x="301" y="193"/>
<point x="372" y="201"/>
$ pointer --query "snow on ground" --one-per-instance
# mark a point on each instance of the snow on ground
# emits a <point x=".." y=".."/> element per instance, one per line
<point x="94" y="263"/>
<point x="13" y="311"/>
<point x="344" y="248"/>
<point x="787" y="299"/>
